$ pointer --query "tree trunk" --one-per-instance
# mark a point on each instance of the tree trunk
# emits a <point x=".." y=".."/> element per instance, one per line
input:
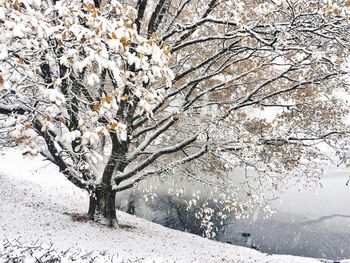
<point x="102" y="199"/>
<point x="102" y="206"/>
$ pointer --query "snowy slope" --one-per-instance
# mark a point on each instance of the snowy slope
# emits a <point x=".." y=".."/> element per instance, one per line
<point x="37" y="203"/>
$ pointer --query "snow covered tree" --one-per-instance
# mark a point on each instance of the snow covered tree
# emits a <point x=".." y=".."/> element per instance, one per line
<point x="115" y="92"/>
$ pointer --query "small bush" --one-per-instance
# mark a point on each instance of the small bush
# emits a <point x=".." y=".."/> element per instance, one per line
<point x="15" y="252"/>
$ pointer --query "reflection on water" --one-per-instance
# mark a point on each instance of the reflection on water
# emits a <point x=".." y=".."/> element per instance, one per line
<point x="305" y="224"/>
<point x="290" y="234"/>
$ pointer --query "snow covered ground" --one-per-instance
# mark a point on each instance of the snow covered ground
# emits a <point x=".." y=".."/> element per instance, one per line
<point x="37" y="203"/>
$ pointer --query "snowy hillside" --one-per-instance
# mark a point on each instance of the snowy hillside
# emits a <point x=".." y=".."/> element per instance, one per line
<point x="38" y="204"/>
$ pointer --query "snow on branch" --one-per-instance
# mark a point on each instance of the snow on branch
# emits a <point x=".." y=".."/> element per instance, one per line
<point x="167" y="150"/>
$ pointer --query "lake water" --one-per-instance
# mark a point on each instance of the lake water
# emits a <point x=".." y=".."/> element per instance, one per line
<point x="305" y="224"/>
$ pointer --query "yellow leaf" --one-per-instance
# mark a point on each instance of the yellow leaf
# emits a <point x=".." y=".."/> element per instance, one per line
<point x="154" y="35"/>
<point x="71" y="60"/>
<point x="129" y="25"/>
<point x="83" y="39"/>
<point x="328" y="8"/>
<point x="125" y="97"/>
<point x="166" y="50"/>
<point x="27" y="125"/>
<point x="124" y="41"/>
<point x="113" y="35"/>
<point x="107" y="99"/>
<point x="59" y="43"/>
<point x="96" y="106"/>
<point x="153" y="38"/>
<point x="89" y="7"/>
<point x="47" y="118"/>
<point x="95" y="13"/>
<point x="116" y="93"/>
<point x="19" y="139"/>
<point x="2" y="80"/>
<point x="64" y="36"/>
<point x="244" y="37"/>
<point x="112" y="126"/>
<point x="339" y="62"/>
<point x="17" y="5"/>
<point x="45" y="129"/>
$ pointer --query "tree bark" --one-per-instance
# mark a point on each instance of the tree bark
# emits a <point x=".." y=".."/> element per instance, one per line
<point x="102" y="198"/>
<point x="102" y="206"/>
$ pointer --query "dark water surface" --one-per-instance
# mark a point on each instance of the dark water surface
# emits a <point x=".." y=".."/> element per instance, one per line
<point x="305" y="224"/>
